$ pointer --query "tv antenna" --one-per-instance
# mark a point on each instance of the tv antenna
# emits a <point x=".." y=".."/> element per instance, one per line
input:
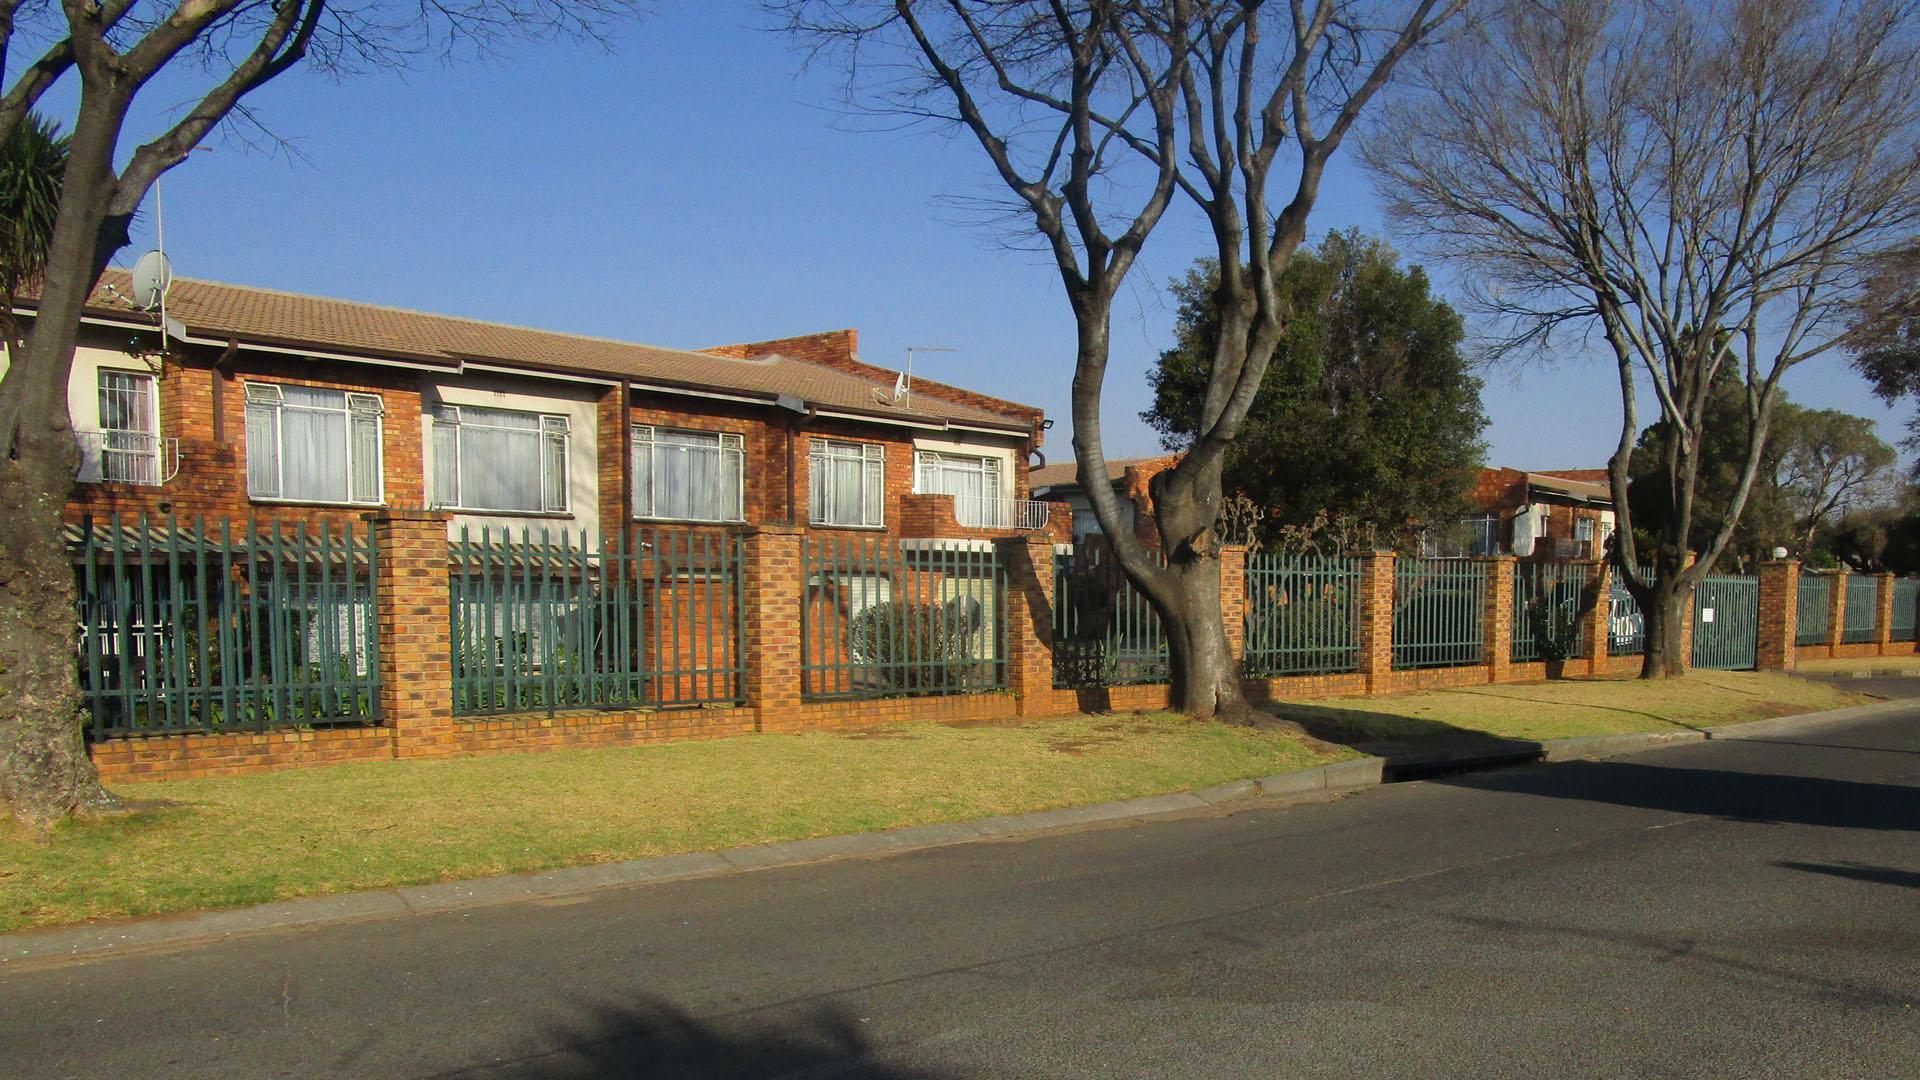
<point x="903" y="386"/>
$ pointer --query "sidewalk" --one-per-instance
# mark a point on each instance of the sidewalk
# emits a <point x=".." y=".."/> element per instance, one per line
<point x="34" y="947"/>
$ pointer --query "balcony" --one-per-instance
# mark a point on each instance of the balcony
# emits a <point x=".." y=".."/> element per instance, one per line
<point x="126" y="457"/>
<point x="963" y="515"/>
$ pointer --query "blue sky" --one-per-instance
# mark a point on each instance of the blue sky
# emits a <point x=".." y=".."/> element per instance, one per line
<point x="694" y="187"/>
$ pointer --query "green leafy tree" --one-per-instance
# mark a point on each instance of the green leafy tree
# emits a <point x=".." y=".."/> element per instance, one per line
<point x="1817" y="465"/>
<point x="1370" y="414"/>
<point x="32" y="159"/>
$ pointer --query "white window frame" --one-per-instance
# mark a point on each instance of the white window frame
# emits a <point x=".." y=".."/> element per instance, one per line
<point x="993" y="509"/>
<point x="354" y="404"/>
<point x="556" y="494"/>
<point x="872" y="458"/>
<point x="725" y="442"/>
<point x="151" y="432"/>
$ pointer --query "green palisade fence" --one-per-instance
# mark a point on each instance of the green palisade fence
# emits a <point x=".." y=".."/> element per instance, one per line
<point x="1726" y="623"/>
<point x="1814" y="611"/>
<point x="191" y="628"/>
<point x="1906" y="608"/>
<point x="1439" y="613"/>
<point x="1546" y="609"/>
<point x="1303" y="615"/>
<point x="1105" y="633"/>
<point x="648" y="619"/>
<point x="879" y="618"/>
<point x="1863" y="610"/>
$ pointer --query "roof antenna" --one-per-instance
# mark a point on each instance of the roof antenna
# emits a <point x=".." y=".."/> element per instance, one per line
<point x="153" y="274"/>
<point x="903" y="386"/>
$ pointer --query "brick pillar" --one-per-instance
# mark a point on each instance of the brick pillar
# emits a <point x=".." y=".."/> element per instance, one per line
<point x="1686" y="616"/>
<point x="1233" y="598"/>
<point x="1028" y="563"/>
<point x="771" y="589"/>
<point x="1837" y="611"/>
<point x="1599" y="628"/>
<point x="1376" y="617"/>
<point x="1497" y="617"/>
<point x="1883" y="614"/>
<point x="1779" y="614"/>
<point x="412" y="609"/>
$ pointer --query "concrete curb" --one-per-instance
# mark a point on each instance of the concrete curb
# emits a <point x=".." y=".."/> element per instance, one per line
<point x="191" y="928"/>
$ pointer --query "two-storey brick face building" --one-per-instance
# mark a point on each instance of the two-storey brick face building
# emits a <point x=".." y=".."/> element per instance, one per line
<point x="280" y="407"/>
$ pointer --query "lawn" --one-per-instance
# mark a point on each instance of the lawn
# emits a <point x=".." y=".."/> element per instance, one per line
<point x="1571" y="707"/>
<point x="245" y="840"/>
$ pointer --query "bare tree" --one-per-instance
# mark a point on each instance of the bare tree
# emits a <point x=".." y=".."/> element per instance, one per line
<point x="1097" y="115"/>
<point x="115" y="49"/>
<point x="1702" y="184"/>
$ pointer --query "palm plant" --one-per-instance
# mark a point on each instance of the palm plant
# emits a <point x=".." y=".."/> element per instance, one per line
<point x="33" y="159"/>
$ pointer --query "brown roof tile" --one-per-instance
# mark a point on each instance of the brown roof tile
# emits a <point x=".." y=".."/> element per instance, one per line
<point x="213" y="309"/>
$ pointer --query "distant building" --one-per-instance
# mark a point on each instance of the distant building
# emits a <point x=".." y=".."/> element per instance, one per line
<point x="1548" y="515"/>
<point x="1060" y="482"/>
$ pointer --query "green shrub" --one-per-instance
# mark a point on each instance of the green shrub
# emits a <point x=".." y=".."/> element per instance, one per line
<point x="914" y="646"/>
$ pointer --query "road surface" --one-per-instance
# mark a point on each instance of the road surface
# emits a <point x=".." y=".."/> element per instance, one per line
<point x="1727" y="909"/>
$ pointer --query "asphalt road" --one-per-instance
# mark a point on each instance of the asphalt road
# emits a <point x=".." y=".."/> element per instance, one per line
<point x="1725" y="909"/>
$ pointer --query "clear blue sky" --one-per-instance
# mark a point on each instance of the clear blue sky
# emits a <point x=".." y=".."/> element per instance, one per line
<point x="693" y="187"/>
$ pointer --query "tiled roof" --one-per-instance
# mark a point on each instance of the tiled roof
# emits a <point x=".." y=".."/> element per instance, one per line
<point x="1067" y="472"/>
<point x="266" y="316"/>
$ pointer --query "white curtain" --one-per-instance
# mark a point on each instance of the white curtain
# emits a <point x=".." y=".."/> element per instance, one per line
<point x="687" y="475"/>
<point x="313" y="444"/>
<point x="493" y="459"/>
<point x="974" y="483"/>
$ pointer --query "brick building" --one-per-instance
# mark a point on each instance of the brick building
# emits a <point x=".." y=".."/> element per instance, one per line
<point x="281" y="407"/>
<point x="1554" y="515"/>
<point x="1060" y="482"/>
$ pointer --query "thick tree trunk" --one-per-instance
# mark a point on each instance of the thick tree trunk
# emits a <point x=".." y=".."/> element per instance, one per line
<point x="45" y="773"/>
<point x="1663" y="612"/>
<point x="1205" y="675"/>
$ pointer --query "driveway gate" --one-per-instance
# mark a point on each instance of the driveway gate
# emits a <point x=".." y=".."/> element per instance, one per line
<point x="1726" y="623"/>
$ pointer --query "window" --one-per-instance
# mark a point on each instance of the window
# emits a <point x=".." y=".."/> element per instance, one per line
<point x="1583" y="528"/>
<point x="846" y="483"/>
<point x="499" y="460"/>
<point x="688" y="475"/>
<point x="306" y="444"/>
<point x="974" y="483"/>
<point x="1482" y="534"/>
<point x="128" y="446"/>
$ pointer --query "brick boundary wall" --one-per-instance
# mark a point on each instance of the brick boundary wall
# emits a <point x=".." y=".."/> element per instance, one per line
<point x="416" y="705"/>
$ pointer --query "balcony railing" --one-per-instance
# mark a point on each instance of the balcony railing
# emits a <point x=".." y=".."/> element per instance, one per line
<point x="977" y="512"/>
<point x="126" y="457"/>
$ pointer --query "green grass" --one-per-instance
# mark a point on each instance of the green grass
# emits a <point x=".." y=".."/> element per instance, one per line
<point x="246" y="840"/>
<point x="1572" y="707"/>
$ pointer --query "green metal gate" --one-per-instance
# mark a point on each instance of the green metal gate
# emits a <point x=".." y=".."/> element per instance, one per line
<point x="1726" y="623"/>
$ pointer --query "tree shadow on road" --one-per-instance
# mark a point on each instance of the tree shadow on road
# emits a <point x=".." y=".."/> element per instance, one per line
<point x="1739" y="796"/>
<point x="656" y="1039"/>
<point x="1882" y="875"/>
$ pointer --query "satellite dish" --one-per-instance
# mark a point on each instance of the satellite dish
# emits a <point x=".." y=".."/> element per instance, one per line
<point x="152" y="277"/>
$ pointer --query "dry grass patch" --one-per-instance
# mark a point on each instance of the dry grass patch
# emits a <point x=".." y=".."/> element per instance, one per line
<point x="1572" y="707"/>
<point x="254" y="839"/>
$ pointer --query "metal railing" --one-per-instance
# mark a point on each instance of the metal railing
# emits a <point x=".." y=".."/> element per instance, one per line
<point x="1549" y="605"/>
<point x="1815" y="610"/>
<point x="1861" y="620"/>
<point x="126" y="457"/>
<point x="880" y="620"/>
<point x="1906" y="609"/>
<point x="648" y="618"/>
<point x="1104" y="632"/>
<point x="187" y="629"/>
<point x="1439" y="613"/>
<point x="1303" y="615"/>
<point x="1626" y="626"/>
<point x="981" y="512"/>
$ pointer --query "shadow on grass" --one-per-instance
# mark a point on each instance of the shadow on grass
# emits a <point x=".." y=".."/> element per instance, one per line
<point x="1401" y="740"/>
<point x="653" y="1038"/>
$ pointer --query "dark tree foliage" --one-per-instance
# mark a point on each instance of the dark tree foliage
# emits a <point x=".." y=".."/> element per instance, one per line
<point x="1817" y="465"/>
<point x="1370" y="412"/>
